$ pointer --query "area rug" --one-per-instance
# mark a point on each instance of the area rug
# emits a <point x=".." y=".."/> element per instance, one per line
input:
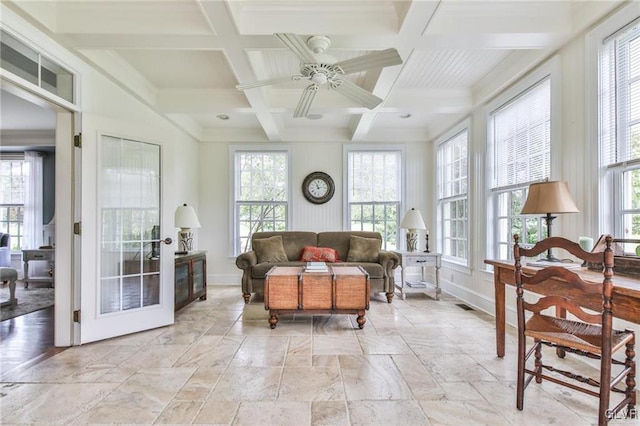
<point x="29" y="300"/>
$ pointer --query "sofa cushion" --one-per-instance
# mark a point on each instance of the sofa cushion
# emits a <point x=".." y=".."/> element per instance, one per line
<point x="319" y="254"/>
<point x="269" y="250"/>
<point x="340" y="240"/>
<point x="375" y="270"/>
<point x="363" y="249"/>
<point x="293" y="241"/>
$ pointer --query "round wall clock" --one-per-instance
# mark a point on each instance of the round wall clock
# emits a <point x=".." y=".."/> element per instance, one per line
<point x="318" y="187"/>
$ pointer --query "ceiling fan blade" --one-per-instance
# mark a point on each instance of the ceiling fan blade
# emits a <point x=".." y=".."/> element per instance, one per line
<point x="381" y="59"/>
<point x="356" y="93"/>
<point x="304" y="104"/>
<point x="269" y="82"/>
<point x="297" y="46"/>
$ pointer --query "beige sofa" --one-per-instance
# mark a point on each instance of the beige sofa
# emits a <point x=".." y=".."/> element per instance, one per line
<point x="293" y="242"/>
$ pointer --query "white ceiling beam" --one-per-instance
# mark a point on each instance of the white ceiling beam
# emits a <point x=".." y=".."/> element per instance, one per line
<point x="519" y="40"/>
<point x="219" y="16"/>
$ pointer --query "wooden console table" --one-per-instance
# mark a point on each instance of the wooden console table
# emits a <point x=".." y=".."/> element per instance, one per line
<point x="190" y="278"/>
<point x="626" y="295"/>
<point x="38" y="254"/>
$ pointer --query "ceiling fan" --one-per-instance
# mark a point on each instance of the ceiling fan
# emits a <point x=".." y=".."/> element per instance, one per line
<point x="320" y="72"/>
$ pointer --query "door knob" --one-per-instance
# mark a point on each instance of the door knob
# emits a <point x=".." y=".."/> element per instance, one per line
<point x="167" y="241"/>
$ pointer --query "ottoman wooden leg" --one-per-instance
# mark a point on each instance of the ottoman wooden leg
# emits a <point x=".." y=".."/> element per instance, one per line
<point x="246" y="297"/>
<point x="273" y="320"/>
<point x="361" y="319"/>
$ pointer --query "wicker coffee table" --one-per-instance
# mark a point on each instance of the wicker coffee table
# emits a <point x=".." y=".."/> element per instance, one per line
<point x="339" y="290"/>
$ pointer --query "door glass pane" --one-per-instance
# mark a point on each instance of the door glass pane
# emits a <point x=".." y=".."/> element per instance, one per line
<point x="130" y="221"/>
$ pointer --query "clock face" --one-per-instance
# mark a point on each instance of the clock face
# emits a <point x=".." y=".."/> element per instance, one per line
<point x="318" y="187"/>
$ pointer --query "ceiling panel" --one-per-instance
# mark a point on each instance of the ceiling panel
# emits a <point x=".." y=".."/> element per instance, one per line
<point x="188" y="69"/>
<point x="185" y="57"/>
<point x="447" y="69"/>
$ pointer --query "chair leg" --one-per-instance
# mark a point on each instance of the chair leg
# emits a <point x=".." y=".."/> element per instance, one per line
<point x="604" y="414"/>
<point x="520" y="377"/>
<point x="538" y="361"/>
<point x="631" y="376"/>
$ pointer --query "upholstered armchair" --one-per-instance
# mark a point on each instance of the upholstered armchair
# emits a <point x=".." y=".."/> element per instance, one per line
<point x="5" y="250"/>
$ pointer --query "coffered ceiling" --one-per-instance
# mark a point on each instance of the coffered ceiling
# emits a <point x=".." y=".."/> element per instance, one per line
<point x="185" y="57"/>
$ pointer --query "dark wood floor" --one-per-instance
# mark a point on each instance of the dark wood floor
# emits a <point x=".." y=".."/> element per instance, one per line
<point x="26" y="340"/>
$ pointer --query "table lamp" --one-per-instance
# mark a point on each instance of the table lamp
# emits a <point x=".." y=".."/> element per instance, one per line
<point x="549" y="197"/>
<point x="412" y="222"/>
<point x="185" y="218"/>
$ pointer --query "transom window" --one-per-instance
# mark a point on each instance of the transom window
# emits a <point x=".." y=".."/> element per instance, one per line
<point x="453" y="209"/>
<point x="520" y="138"/>
<point x="261" y="195"/>
<point x="374" y="188"/>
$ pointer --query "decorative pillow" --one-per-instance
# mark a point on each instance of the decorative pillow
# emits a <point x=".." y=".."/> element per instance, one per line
<point x="363" y="249"/>
<point x="269" y="250"/>
<point x="319" y="254"/>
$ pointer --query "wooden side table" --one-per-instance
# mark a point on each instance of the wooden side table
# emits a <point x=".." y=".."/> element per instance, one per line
<point x="422" y="260"/>
<point x="38" y="254"/>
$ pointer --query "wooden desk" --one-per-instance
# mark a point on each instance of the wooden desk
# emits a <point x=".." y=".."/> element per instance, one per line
<point x="626" y="295"/>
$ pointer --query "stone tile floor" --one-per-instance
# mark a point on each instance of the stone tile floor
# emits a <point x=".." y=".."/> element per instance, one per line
<point x="416" y="362"/>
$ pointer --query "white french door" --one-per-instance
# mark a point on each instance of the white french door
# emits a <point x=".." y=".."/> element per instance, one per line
<point x="130" y="288"/>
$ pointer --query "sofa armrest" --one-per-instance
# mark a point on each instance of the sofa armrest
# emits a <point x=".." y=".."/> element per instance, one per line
<point x="5" y="257"/>
<point x="389" y="261"/>
<point x="246" y="260"/>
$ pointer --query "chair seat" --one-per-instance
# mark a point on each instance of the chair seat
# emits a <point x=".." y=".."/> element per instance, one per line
<point x="579" y="335"/>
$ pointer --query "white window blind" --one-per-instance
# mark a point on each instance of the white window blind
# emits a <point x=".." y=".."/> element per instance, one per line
<point x="521" y="134"/>
<point x="620" y="97"/>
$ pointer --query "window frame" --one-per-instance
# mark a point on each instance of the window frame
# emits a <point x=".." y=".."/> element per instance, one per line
<point x="234" y="150"/>
<point x="16" y="240"/>
<point x="548" y="70"/>
<point x="612" y="211"/>
<point x="400" y="149"/>
<point x="448" y="137"/>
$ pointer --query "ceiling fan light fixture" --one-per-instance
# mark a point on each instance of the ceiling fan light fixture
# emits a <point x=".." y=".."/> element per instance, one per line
<point x="319" y="78"/>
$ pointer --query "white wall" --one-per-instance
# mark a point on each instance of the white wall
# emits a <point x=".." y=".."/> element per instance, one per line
<point x="107" y="108"/>
<point x="577" y="165"/>
<point x="305" y="157"/>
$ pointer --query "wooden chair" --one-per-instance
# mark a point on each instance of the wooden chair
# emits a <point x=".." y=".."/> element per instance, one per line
<point x="590" y="334"/>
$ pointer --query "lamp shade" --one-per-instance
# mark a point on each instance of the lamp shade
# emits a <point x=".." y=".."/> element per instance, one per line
<point x="549" y="197"/>
<point x="413" y="220"/>
<point x="185" y="217"/>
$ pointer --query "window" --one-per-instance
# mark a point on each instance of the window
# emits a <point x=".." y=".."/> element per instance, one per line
<point x="261" y="195"/>
<point x="453" y="208"/>
<point x="14" y="173"/>
<point x="374" y="188"/>
<point x="619" y="132"/>
<point x="519" y="133"/>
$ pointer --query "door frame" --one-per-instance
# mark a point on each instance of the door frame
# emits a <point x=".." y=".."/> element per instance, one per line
<point x="65" y="258"/>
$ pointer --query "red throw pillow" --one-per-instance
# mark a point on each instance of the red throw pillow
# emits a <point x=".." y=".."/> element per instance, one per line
<point x="319" y="254"/>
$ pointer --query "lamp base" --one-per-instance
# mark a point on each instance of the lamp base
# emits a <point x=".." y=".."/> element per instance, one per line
<point x="412" y="241"/>
<point x="186" y="239"/>
<point x="551" y="258"/>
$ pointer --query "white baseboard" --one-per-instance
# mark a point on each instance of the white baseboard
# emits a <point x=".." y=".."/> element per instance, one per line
<point x="224" y="279"/>
<point x="478" y="301"/>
